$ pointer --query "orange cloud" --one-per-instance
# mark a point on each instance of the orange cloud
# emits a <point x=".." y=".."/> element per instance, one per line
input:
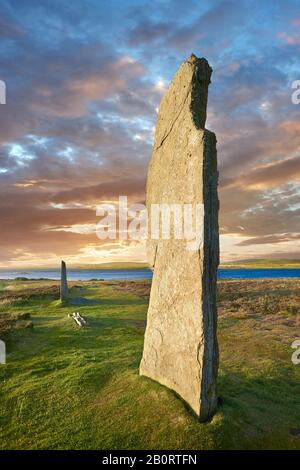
<point x="290" y="39"/>
<point x="292" y="127"/>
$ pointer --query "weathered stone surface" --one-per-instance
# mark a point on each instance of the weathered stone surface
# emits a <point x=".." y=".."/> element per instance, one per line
<point x="63" y="282"/>
<point x="180" y="348"/>
<point x="2" y="352"/>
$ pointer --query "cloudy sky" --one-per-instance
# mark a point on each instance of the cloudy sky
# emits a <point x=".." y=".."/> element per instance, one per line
<point x="84" y="80"/>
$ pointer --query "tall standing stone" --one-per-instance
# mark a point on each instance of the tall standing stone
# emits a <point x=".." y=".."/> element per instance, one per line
<point x="180" y="347"/>
<point x="63" y="282"/>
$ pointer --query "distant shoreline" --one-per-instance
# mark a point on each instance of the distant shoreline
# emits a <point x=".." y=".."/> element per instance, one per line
<point x="241" y="264"/>
<point x="113" y="274"/>
<point x="259" y="266"/>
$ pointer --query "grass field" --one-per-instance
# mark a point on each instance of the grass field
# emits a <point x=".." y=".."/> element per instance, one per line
<point x="69" y="388"/>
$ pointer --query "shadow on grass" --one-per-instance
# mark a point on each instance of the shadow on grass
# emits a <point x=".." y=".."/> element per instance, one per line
<point x="81" y="301"/>
<point x="262" y="409"/>
<point x="118" y="301"/>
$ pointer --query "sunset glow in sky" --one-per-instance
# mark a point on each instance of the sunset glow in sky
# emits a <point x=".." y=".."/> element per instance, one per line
<point x="84" y="80"/>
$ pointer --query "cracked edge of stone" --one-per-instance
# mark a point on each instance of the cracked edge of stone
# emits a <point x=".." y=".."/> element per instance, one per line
<point x="198" y="89"/>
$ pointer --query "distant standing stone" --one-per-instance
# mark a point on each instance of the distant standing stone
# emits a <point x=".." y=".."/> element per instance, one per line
<point x="180" y="347"/>
<point x="63" y="282"/>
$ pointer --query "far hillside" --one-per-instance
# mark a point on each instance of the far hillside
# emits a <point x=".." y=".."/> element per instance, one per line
<point x="114" y="265"/>
<point x="262" y="263"/>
